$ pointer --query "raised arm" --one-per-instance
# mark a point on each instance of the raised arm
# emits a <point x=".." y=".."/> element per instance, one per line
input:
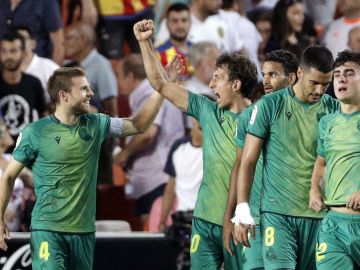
<point x="6" y="186"/>
<point x="316" y="201"/>
<point x="156" y="74"/>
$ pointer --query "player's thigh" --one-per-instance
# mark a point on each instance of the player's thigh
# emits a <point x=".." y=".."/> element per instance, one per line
<point x="232" y="262"/>
<point x="205" y="248"/>
<point x="48" y="251"/>
<point x="279" y="243"/>
<point x="331" y="251"/>
<point x="252" y="257"/>
<point x="81" y="250"/>
<point x="307" y="231"/>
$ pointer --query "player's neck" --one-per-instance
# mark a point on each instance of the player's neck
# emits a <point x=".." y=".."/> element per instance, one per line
<point x="239" y="105"/>
<point x="350" y="108"/>
<point x="65" y="116"/>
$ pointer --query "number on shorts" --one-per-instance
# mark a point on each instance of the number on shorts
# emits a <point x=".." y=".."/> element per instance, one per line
<point x="44" y="251"/>
<point x="320" y="250"/>
<point x="269" y="236"/>
<point x="194" y="243"/>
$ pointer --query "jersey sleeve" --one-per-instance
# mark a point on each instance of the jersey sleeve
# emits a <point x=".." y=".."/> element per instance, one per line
<point x="25" y="150"/>
<point x="320" y="138"/>
<point x="198" y="105"/>
<point x="259" y="124"/>
<point x="104" y="125"/>
<point x="241" y="127"/>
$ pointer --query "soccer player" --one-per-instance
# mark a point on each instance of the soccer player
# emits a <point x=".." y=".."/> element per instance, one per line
<point x="234" y="78"/>
<point x="63" y="151"/>
<point x="338" y="162"/>
<point x="279" y="71"/>
<point x="284" y="125"/>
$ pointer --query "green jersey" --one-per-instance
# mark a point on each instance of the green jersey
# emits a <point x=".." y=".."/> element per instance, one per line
<point x="64" y="161"/>
<point x="288" y="127"/>
<point x="218" y="127"/>
<point x="338" y="143"/>
<point x="255" y="195"/>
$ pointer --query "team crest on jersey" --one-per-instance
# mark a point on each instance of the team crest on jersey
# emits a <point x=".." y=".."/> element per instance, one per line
<point x="320" y="115"/>
<point x="289" y="115"/>
<point x="57" y="139"/>
<point x="253" y="115"/>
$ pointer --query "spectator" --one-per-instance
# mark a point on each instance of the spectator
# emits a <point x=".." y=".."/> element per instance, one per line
<point x="21" y="97"/>
<point x="144" y="155"/>
<point x="208" y="23"/>
<point x="287" y="25"/>
<point x="247" y="33"/>
<point x="178" y="24"/>
<point x="44" y="20"/>
<point x="262" y="21"/>
<point x="203" y="57"/>
<point x="117" y="18"/>
<point x="13" y="213"/>
<point x="37" y="66"/>
<point x="336" y="35"/>
<point x="80" y="39"/>
<point x="79" y="10"/>
<point x="184" y="166"/>
<point x="354" y="39"/>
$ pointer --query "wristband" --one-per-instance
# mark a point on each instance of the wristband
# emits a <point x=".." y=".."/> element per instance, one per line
<point x="242" y="215"/>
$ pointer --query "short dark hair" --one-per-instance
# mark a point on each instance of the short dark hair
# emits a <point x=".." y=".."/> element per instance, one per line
<point x="318" y="57"/>
<point x="287" y="59"/>
<point x="177" y="7"/>
<point x="18" y="28"/>
<point x="61" y="80"/>
<point x="12" y="36"/>
<point x="347" y="56"/>
<point x="241" y="68"/>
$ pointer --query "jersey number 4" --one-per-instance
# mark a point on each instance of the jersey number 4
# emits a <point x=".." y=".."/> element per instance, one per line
<point x="44" y="251"/>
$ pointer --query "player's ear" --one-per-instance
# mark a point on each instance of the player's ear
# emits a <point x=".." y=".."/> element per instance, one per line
<point x="236" y="85"/>
<point x="292" y="78"/>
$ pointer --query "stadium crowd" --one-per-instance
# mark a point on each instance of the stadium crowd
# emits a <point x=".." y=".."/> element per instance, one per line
<point x="207" y="167"/>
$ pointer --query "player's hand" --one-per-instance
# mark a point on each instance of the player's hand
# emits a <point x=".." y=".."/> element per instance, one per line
<point x="121" y="158"/>
<point x="241" y="234"/>
<point x="227" y="234"/>
<point x="175" y="67"/>
<point x="143" y="30"/>
<point x="316" y="201"/>
<point x="4" y="234"/>
<point x="354" y="201"/>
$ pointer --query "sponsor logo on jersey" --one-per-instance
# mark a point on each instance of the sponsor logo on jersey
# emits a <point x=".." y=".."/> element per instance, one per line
<point x="57" y="139"/>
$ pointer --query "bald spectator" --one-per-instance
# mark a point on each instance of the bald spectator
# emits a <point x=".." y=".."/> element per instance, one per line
<point x="80" y="39"/>
<point x="42" y="17"/>
<point x="144" y="155"/>
<point x="203" y="57"/>
<point x="37" y="66"/>
<point x="354" y="39"/>
<point x="336" y="35"/>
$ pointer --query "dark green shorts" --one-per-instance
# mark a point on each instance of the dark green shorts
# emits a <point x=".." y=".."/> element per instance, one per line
<point x="207" y="250"/>
<point x="60" y="251"/>
<point x="338" y="242"/>
<point x="252" y="257"/>
<point x="289" y="242"/>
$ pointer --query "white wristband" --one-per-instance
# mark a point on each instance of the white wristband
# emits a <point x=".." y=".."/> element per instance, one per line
<point x="242" y="215"/>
